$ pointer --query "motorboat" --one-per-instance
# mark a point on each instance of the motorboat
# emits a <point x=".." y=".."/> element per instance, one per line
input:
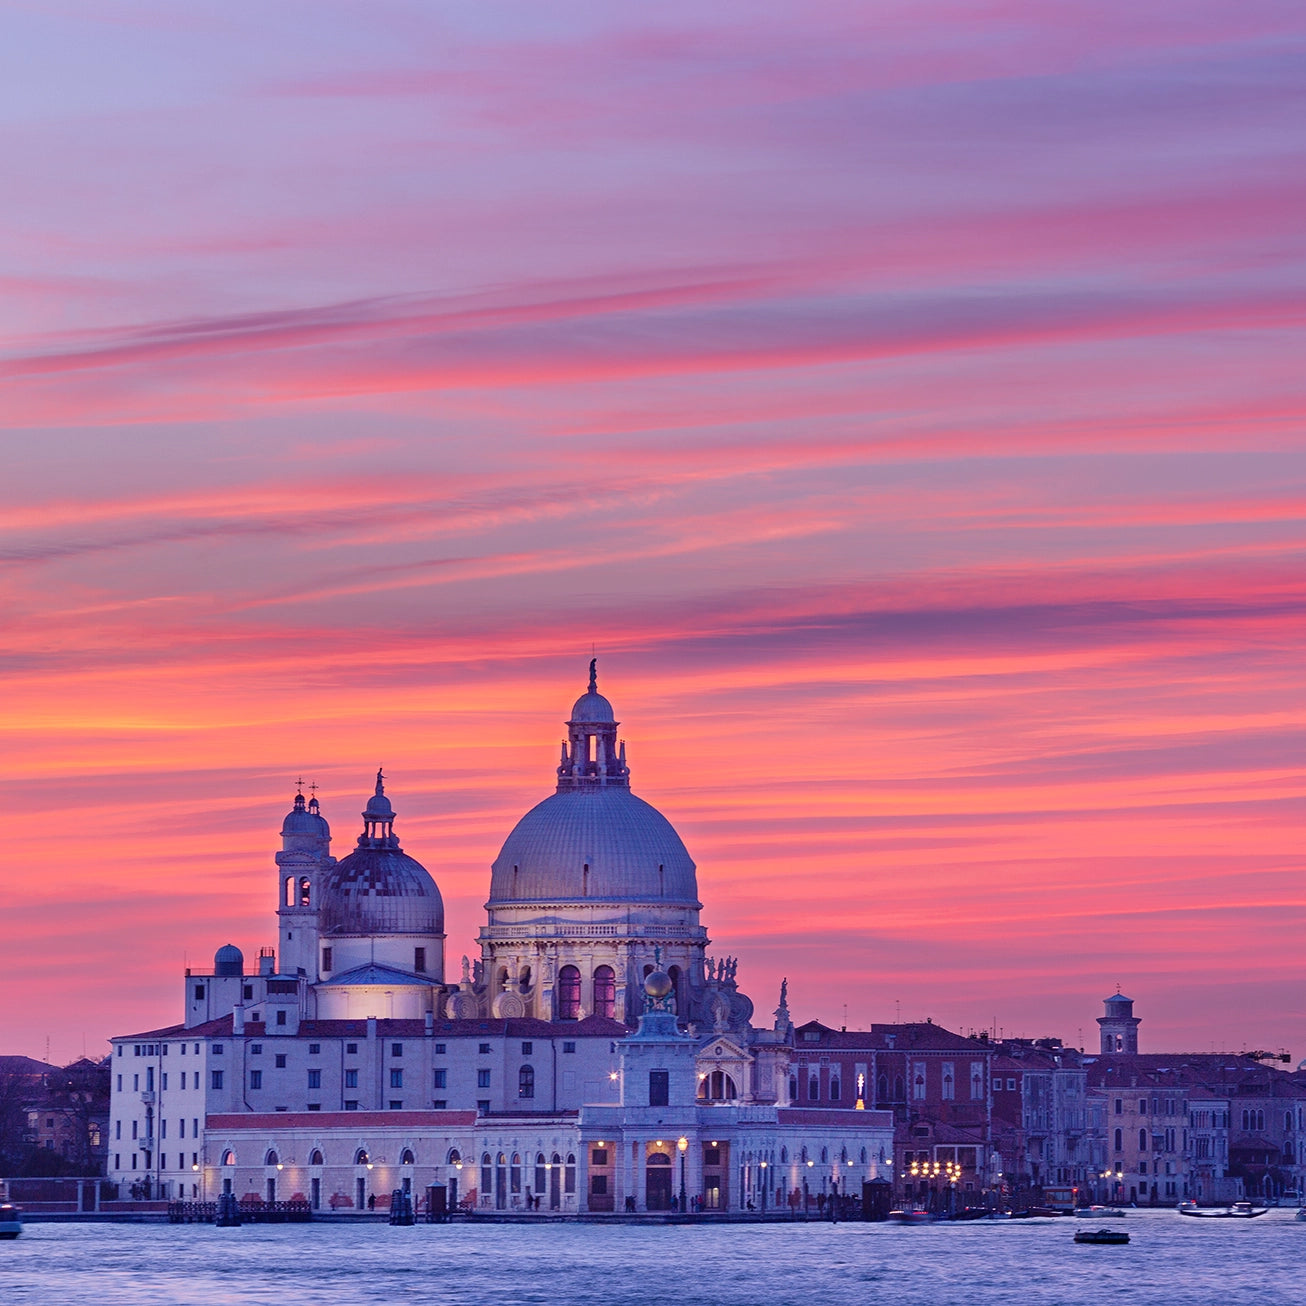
<point x="11" y="1220"/>
<point x="910" y="1217"/>
<point x="1238" y="1211"/>
<point x="1102" y="1237"/>
<point x="1300" y="1217"/>
<point x="1100" y="1213"/>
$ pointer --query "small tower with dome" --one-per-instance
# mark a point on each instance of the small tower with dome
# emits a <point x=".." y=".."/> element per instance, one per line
<point x="304" y="859"/>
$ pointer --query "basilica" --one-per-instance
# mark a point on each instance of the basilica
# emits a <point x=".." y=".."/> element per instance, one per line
<point x="592" y="1058"/>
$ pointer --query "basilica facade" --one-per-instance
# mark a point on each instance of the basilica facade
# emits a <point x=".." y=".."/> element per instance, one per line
<point x="591" y="1045"/>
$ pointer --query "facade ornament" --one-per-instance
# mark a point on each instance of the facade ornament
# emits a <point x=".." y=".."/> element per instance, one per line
<point x="783" y="1022"/>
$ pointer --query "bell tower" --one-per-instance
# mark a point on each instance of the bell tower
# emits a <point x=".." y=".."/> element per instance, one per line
<point x="305" y="854"/>
<point x="1119" y="1026"/>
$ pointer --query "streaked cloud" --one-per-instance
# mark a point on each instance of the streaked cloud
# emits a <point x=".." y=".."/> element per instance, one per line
<point x="905" y="402"/>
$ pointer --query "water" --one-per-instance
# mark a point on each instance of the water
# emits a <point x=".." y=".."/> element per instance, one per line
<point x="1169" y="1262"/>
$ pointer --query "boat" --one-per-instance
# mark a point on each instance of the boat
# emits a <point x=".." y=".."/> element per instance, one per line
<point x="1102" y="1237"/>
<point x="11" y="1220"/>
<point x="1238" y="1211"/>
<point x="910" y="1217"/>
<point x="1300" y="1217"/>
<point x="1100" y="1213"/>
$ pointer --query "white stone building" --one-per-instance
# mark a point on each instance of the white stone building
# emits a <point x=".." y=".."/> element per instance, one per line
<point x="355" y="1068"/>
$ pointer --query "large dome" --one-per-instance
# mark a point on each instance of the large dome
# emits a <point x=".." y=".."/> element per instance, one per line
<point x="380" y="891"/>
<point x="632" y="851"/>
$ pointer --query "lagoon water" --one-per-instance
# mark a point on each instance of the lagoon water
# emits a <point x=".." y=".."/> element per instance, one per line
<point x="1169" y="1262"/>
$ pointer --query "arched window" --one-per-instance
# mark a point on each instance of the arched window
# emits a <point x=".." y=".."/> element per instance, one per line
<point x="793" y="1088"/>
<point x="569" y="1180"/>
<point x="834" y="1088"/>
<point x="315" y="1157"/>
<point x="825" y="1156"/>
<point x="814" y="1088"/>
<point x="674" y="972"/>
<point x="526" y="1081"/>
<point x="1120" y="1140"/>
<point x="290" y="891"/>
<point x="271" y="1158"/>
<point x="882" y="1089"/>
<point x="569" y="993"/>
<point x="541" y="1181"/>
<point x="802" y="1156"/>
<point x="605" y="992"/>
<point x="1142" y="1140"/>
<point x="524" y="979"/>
<point x="784" y="1156"/>
<point x="863" y="1156"/>
<point x="406" y="1157"/>
<point x="514" y="1181"/>
<point x="487" y="1177"/>
<point x="361" y="1157"/>
<point x="228" y="1157"/>
<point x="897" y="1089"/>
<point x="454" y="1156"/>
<point x="305" y="891"/>
<point x="717" y="1086"/>
<point x="1287" y="1122"/>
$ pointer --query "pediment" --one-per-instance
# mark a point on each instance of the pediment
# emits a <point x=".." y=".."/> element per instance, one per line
<point x="722" y="1048"/>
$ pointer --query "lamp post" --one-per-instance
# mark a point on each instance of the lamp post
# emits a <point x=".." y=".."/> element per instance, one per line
<point x="765" y="1185"/>
<point x="683" y="1145"/>
<point x="807" y="1195"/>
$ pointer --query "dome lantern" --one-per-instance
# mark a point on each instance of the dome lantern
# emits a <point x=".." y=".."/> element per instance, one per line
<point x="592" y="758"/>
<point x="378" y="819"/>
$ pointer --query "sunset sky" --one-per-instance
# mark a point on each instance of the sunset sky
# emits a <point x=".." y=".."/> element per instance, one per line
<point x="904" y="400"/>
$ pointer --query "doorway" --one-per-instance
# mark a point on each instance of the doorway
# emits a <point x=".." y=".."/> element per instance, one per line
<point x="657" y="1183"/>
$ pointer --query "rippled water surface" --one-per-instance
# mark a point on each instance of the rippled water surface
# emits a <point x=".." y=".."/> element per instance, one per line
<point x="1169" y="1262"/>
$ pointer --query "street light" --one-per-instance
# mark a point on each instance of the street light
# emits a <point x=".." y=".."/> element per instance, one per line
<point x="683" y="1145"/>
<point x="764" y="1187"/>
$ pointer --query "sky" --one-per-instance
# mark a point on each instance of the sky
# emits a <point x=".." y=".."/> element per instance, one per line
<point x="904" y="401"/>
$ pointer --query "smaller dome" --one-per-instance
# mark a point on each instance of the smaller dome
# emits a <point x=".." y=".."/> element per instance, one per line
<point x="228" y="960"/>
<point x="305" y="819"/>
<point x="593" y="707"/>
<point x="658" y="984"/>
